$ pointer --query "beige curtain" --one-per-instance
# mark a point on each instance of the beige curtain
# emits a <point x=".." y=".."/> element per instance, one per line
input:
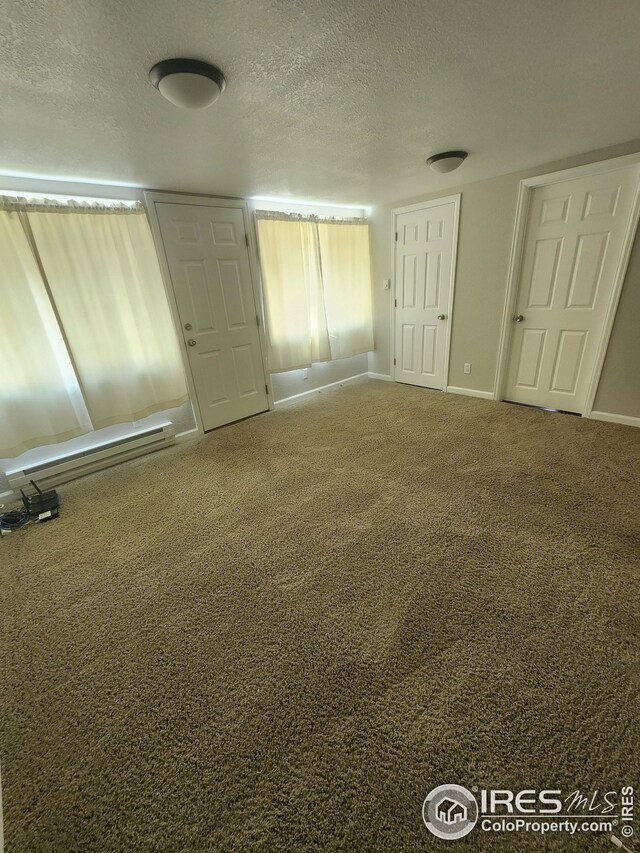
<point x="40" y="401"/>
<point x="346" y="277"/>
<point x="316" y="277"/>
<point x="103" y="273"/>
<point x="293" y="293"/>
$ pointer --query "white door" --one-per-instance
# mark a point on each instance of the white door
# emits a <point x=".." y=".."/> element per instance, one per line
<point x="208" y="261"/>
<point x="425" y="248"/>
<point x="573" y="246"/>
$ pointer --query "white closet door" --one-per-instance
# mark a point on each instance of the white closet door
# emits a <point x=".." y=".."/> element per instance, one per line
<point x="573" y="246"/>
<point x="423" y="279"/>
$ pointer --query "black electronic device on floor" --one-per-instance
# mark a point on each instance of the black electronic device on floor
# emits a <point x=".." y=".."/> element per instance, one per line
<point x="42" y="501"/>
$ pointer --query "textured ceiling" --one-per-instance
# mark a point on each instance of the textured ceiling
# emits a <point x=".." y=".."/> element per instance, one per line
<point x="326" y="99"/>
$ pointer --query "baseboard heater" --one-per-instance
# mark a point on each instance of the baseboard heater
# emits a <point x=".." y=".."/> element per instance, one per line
<point x="65" y="468"/>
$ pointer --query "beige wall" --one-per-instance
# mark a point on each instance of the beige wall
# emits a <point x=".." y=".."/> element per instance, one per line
<point x="487" y="215"/>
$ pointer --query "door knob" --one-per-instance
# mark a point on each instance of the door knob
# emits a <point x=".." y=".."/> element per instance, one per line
<point x="518" y="318"/>
<point x="188" y="327"/>
<point x="191" y="342"/>
<point x="442" y="316"/>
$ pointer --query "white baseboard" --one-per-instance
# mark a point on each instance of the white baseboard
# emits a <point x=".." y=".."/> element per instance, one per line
<point x="628" y="420"/>
<point x="384" y="376"/>
<point x="316" y="390"/>
<point x="470" y="392"/>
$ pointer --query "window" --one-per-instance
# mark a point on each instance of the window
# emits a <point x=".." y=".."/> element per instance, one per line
<point x="317" y="288"/>
<point x="86" y="333"/>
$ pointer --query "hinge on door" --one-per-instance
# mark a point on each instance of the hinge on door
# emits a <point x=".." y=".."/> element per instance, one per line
<point x="246" y="239"/>
<point x="394" y="362"/>
<point x="395" y="303"/>
<point x="266" y="388"/>
<point x="257" y="321"/>
<point x="396" y="236"/>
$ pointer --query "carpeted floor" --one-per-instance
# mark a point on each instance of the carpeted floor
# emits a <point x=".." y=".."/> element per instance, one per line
<point x="282" y="638"/>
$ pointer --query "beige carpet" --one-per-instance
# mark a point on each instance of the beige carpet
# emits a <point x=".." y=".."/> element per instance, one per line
<point x="282" y="638"/>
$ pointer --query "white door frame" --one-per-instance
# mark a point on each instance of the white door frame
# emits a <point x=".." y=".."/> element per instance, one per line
<point x="525" y="194"/>
<point x="423" y="205"/>
<point x="153" y="197"/>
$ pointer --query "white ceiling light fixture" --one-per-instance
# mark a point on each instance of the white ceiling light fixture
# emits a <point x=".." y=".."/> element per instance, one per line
<point x="447" y="161"/>
<point x="188" y="83"/>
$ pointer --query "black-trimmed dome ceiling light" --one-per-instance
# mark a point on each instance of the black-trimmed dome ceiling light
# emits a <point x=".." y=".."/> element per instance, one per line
<point x="188" y="83"/>
<point x="447" y="161"/>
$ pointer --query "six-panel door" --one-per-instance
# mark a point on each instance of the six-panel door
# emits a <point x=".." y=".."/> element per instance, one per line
<point x="424" y="256"/>
<point x="572" y="248"/>
<point x="209" y="265"/>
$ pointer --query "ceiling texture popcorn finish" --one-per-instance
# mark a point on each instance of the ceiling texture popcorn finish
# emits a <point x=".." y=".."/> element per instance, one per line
<point x="327" y="100"/>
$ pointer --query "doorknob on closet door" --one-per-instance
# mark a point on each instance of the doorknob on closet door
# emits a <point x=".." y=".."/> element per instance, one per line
<point x="442" y="316"/>
<point x="518" y="318"/>
<point x="191" y="342"/>
<point x="188" y="327"/>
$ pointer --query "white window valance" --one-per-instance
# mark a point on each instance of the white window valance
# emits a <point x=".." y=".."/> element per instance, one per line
<point x="279" y="216"/>
<point x="68" y="204"/>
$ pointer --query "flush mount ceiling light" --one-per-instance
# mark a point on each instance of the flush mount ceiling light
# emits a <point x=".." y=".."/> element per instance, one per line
<point x="447" y="161"/>
<point x="188" y="83"/>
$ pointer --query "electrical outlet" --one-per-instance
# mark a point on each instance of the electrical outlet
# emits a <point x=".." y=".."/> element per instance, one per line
<point x="467" y="367"/>
<point x="386" y="284"/>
